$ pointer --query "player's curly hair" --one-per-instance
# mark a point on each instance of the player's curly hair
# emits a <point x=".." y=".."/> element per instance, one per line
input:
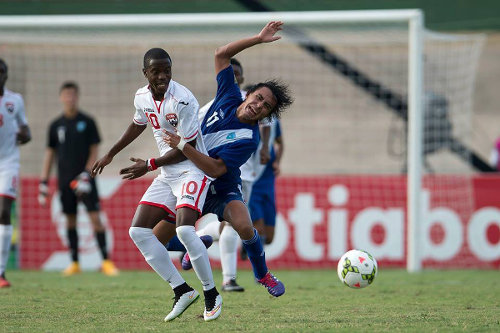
<point x="155" y="53"/>
<point x="280" y="91"/>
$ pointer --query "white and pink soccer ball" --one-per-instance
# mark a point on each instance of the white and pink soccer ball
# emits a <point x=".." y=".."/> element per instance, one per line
<point x="357" y="269"/>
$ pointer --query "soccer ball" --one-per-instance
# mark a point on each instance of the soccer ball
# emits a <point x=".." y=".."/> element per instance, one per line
<point x="357" y="269"/>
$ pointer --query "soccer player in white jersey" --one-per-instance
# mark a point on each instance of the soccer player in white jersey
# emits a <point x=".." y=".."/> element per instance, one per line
<point x="231" y="134"/>
<point x="14" y="131"/>
<point x="178" y="193"/>
<point x="223" y="232"/>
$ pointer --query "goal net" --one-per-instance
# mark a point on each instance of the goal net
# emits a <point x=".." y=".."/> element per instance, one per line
<point x="345" y="168"/>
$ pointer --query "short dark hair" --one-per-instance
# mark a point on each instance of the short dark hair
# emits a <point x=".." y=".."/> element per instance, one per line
<point x="280" y="91"/>
<point x="69" y="85"/>
<point x="234" y="61"/>
<point x="155" y="53"/>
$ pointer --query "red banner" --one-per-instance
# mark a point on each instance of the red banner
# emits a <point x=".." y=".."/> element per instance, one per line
<point x="319" y="218"/>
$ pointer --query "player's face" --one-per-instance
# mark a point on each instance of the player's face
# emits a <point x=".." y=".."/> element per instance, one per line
<point x="3" y="74"/>
<point x="69" y="98"/>
<point x="158" y="74"/>
<point x="257" y="105"/>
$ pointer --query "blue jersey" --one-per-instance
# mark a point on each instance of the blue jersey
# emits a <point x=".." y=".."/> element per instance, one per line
<point x="224" y="135"/>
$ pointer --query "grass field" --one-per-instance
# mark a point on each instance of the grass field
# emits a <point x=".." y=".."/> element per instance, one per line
<point x="432" y="301"/>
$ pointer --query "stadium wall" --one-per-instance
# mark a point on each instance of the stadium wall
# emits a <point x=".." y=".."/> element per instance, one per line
<point x="319" y="218"/>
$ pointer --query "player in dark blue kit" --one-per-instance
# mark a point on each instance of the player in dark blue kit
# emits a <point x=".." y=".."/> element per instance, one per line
<point x="262" y="205"/>
<point x="231" y="133"/>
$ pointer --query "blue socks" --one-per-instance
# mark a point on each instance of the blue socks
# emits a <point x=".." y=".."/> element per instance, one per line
<point x="256" y="255"/>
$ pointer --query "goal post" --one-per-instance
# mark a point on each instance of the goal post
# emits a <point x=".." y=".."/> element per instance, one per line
<point x="358" y="77"/>
<point x="415" y="139"/>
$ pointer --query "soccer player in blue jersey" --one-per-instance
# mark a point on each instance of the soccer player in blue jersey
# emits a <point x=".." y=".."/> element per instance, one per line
<point x="231" y="133"/>
<point x="262" y="205"/>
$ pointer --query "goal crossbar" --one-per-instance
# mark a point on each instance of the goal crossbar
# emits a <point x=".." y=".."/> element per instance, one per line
<point x="109" y="20"/>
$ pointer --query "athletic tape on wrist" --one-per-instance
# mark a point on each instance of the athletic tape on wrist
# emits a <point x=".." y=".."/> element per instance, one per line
<point x="181" y="144"/>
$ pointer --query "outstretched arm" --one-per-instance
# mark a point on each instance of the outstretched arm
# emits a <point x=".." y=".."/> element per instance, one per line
<point x="223" y="54"/>
<point x="132" y="132"/>
<point x="141" y="167"/>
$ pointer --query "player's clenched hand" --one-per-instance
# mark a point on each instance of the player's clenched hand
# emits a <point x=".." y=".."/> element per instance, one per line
<point x="171" y="139"/>
<point x="138" y="169"/>
<point x="267" y="34"/>
<point x="100" y="164"/>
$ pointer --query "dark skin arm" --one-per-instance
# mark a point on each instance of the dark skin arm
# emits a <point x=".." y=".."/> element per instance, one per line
<point x="140" y="168"/>
<point x="24" y="135"/>
<point x="210" y="166"/>
<point x="131" y="133"/>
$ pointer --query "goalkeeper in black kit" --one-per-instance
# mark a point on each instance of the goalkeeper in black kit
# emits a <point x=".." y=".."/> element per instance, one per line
<point x="73" y="140"/>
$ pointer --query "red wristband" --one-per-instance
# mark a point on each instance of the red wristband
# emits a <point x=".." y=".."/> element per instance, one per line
<point x="151" y="164"/>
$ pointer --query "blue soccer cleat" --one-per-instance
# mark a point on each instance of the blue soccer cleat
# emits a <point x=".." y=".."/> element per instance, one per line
<point x="274" y="286"/>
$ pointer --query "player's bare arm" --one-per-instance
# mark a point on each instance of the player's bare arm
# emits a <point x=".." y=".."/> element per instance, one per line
<point x="24" y="135"/>
<point x="132" y="132"/>
<point x="140" y="167"/>
<point x="223" y="54"/>
<point x="210" y="166"/>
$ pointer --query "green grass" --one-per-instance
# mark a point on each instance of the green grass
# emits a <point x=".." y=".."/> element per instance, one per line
<point x="432" y="301"/>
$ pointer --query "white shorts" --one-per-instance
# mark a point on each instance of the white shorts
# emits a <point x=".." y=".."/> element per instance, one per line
<point x="9" y="179"/>
<point x="188" y="190"/>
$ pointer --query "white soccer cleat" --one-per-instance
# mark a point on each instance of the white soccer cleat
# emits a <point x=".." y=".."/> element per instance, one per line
<point x="181" y="304"/>
<point x="214" y="312"/>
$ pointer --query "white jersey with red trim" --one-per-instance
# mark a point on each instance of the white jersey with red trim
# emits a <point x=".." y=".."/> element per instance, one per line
<point x="12" y="117"/>
<point x="177" y="113"/>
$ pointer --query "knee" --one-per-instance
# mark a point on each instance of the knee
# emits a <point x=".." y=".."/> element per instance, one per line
<point x="246" y="232"/>
<point x="139" y="234"/>
<point x="185" y="233"/>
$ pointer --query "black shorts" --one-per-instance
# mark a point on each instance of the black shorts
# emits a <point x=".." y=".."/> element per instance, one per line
<point x="69" y="200"/>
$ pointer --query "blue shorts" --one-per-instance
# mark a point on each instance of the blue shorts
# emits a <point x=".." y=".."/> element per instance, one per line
<point x="216" y="201"/>
<point x="263" y="206"/>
